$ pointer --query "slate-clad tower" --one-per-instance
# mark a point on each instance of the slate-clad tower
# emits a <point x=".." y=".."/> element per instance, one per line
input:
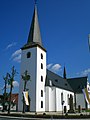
<point x="33" y="59"/>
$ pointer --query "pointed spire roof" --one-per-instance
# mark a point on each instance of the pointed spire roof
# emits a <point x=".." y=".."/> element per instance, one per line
<point x="64" y="73"/>
<point x="34" y="34"/>
<point x="34" y="37"/>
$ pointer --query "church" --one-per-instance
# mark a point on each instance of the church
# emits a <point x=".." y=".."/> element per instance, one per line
<point x="47" y="90"/>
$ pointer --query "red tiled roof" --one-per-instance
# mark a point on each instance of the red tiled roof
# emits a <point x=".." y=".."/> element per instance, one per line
<point x="14" y="98"/>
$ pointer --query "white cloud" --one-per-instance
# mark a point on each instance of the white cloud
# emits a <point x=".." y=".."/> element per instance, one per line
<point x="54" y="67"/>
<point x="10" y="45"/>
<point x="15" y="84"/>
<point x="16" y="53"/>
<point x="84" y="72"/>
<point x="49" y="66"/>
<point x="16" y="56"/>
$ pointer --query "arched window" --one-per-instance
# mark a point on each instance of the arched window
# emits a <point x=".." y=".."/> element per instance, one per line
<point x="41" y="56"/>
<point x="41" y="93"/>
<point x="28" y="55"/>
<point x="41" y="104"/>
<point x="41" y="78"/>
<point x="41" y="66"/>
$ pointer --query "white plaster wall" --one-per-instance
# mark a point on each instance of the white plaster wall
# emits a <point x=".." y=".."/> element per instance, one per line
<point x="65" y="98"/>
<point x="80" y="100"/>
<point x="33" y="66"/>
<point x="53" y="98"/>
<point x="28" y="64"/>
<point x="40" y="85"/>
<point x="50" y="99"/>
<point x="47" y="98"/>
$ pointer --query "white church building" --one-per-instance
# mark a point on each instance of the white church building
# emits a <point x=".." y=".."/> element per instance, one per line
<point x="47" y="90"/>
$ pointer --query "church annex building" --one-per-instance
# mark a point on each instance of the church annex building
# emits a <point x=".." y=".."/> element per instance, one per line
<point x="47" y="90"/>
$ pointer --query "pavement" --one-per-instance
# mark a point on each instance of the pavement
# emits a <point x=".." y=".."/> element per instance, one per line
<point x="56" y="115"/>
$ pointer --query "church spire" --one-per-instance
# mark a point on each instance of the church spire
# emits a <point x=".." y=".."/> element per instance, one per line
<point x="64" y="73"/>
<point x="34" y="37"/>
<point x="34" y="34"/>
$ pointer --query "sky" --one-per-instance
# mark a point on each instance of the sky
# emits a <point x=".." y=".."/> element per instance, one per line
<point x="64" y="26"/>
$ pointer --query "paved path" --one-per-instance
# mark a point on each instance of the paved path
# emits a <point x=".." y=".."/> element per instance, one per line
<point x="21" y="118"/>
<point x="38" y="116"/>
<point x="17" y="118"/>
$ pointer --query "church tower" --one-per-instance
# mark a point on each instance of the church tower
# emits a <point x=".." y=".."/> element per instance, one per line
<point x="33" y="59"/>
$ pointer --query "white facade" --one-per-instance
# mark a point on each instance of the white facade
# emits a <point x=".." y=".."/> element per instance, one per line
<point x="35" y="86"/>
<point x="53" y="98"/>
<point x="80" y="100"/>
<point x="41" y="98"/>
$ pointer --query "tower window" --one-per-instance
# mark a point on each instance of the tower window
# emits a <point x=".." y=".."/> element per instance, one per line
<point x="41" y="104"/>
<point x="41" y="93"/>
<point x="41" y="56"/>
<point x="41" y="78"/>
<point x="28" y="55"/>
<point x="41" y="66"/>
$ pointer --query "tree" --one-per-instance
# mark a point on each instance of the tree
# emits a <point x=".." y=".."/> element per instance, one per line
<point x="26" y="78"/>
<point x="5" y="87"/>
<point x="10" y="82"/>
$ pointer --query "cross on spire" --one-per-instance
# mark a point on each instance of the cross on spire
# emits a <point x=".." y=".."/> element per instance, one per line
<point x="35" y="2"/>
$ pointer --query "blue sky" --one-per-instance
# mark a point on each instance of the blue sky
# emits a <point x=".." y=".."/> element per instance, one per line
<point x="64" y="25"/>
